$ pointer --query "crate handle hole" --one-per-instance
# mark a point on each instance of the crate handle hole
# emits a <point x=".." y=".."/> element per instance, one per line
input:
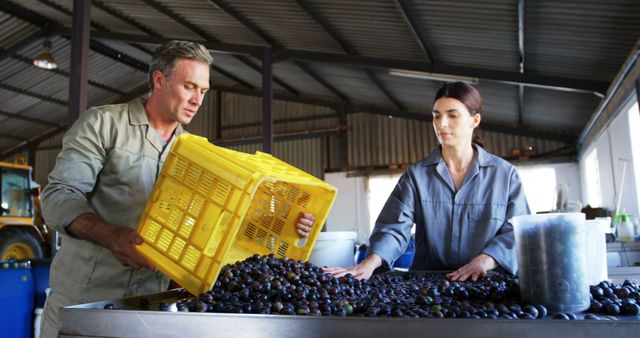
<point x="301" y="242"/>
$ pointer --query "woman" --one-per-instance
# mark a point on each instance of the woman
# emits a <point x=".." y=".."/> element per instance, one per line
<point x="460" y="198"/>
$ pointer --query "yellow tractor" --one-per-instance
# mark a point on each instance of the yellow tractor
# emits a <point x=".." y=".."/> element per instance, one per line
<point x="23" y="234"/>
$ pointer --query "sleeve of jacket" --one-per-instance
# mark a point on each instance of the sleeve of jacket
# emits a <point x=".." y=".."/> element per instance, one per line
<point x="84" y="152"/>
<point x="503" y="247"/>
<point x="392" y="230"/>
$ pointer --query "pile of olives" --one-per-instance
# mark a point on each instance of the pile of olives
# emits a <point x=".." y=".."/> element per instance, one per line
<point x="611" y="299"/>
<point x="269" y="285"/>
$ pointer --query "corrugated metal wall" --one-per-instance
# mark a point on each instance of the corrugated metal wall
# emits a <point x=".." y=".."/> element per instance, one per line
<point x="305" y="154"/>
<point x="46" y="158"/>
<point x="376" y="140"/>
<point x="204" y="123"/>
<point x="242" y="116"/>
<point x="501" y="144"/>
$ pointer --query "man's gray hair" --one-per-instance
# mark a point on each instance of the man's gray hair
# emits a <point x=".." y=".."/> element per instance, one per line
<point x="165" y="57"/>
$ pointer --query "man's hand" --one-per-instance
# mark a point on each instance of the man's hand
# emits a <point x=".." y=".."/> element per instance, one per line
<point x="304" y="223"/>
<point x="364" y="270"/>
<point x="122" y="247"/>
<point x="476" y="268"/>
<point x="118" y="240"/>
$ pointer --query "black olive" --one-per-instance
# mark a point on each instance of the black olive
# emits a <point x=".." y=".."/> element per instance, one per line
<point x="612" y="309"/>
<point x="630" y="309"/>
<point x="560" y="316"/>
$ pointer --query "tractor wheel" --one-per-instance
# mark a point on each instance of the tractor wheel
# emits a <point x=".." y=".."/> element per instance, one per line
<point x="18" y="244"/>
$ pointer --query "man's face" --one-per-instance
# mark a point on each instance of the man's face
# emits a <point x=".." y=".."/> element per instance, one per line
<point x="182" y="92"/>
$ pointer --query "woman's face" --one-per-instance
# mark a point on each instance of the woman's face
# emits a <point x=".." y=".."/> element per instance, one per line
<point x="453" y="123"/>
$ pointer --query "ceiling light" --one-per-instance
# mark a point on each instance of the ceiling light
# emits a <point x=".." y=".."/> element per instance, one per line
<point x="45" y="59"/>
<point x="433" y="76"/>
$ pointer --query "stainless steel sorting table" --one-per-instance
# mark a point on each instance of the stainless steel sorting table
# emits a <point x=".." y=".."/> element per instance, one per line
<point x="91" y="320"/>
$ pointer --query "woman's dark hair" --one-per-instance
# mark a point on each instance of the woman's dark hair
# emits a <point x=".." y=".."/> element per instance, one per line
<point x="468" y="95"/>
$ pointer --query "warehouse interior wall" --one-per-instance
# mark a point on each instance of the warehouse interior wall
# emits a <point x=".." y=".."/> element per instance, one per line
<point x="350" y="210"/>
<point x="543" y="180"/>
<point x="614" y="149"/>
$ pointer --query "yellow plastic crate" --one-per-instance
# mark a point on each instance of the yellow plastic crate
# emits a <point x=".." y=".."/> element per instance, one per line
<point x="212" y="206"/>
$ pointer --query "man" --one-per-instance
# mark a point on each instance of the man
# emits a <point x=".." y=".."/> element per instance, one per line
<point x="104" y="174"/>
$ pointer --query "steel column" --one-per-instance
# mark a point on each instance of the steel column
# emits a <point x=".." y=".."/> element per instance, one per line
<point x="218" y="113"/>
<point x="267" y="101"/>
<point x="522" y="55"/>
<point x="79" y="65"/>
<point x="32" y="160"/>
<point x="638" y="90"/>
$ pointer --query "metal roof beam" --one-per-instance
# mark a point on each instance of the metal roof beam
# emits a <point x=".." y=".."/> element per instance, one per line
<point x="26" y="14"/>
<point x="96" y="25"/>
<point x="25" y="144"/>
<point x="103" y="7"/>
<point x="13" y="137"/>
<point x="346" y="46"/>
<point x="232" y="12"/>
<point x="415" y="27"/>
<point x="27" y="41"/>
<point x="279" y="96"/>
<point x="28" y="144"/>
<point x="171" y="14"/>
<point x="215" y="46"/>
<point x="100" y="5"/>
<point x="289" y="136"/>
<point x="376" y="80"/>
<point x="527" y="79"/>
<point x="281" y="121"/>
<point x="33" y="94"/>
<point x="28" y="119"/>
<point x="276" y="44"/>
<point x="40" y="20"/>
<point x="64" y="73"/>
<point x="232" y="77"/>
<point x="326" y="26"/>
<point x="118" y="56"/>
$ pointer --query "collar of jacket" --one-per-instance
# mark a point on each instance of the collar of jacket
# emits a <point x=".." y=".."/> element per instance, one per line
<point x="137" y="115"/>
<point x="483" y="157"/>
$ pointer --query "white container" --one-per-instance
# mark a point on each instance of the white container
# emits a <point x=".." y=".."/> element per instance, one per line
<point x="37" y="321"/>
<point x="625" y="230"/>
<point x="596" y="251"/>
<point x="335" y="248"/>
<point x="552" y="260"/>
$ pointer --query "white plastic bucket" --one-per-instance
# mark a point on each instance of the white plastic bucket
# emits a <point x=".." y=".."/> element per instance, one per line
<point x="552" y="260"/>
<point x="335" y="248"/>
<point x="596" y="251"/>
<point x="37" y="321"/>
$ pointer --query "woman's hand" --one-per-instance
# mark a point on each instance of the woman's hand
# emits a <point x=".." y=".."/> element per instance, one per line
<point x="477" y="268"/>
<point x="304" y="223"/>
<point x="364" y="270"/>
